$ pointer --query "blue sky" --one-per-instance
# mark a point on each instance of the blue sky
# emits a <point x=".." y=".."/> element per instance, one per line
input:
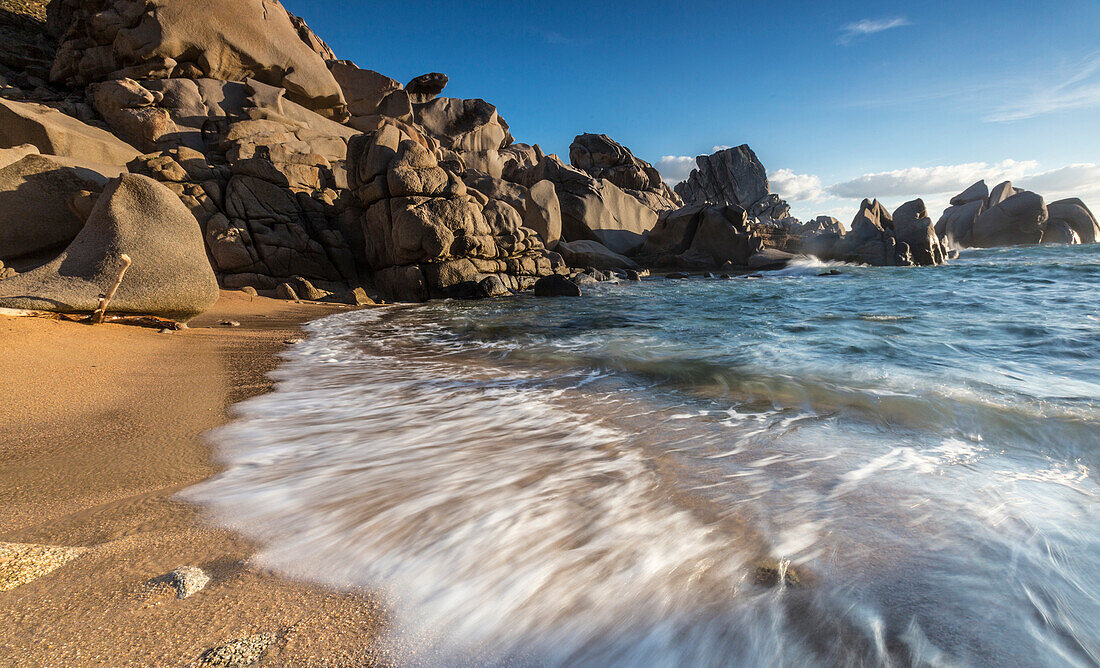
<point x="839" y="100"/>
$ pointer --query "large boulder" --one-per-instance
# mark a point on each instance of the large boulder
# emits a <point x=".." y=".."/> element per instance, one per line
<point x="1074" y="213"/>
<point x="542" y="212"/>
<point x="912" y="226"/>
<point x="38" y="196"/>
<point x="978" y="192"/>
<point x="1059" y="232"/>
<point x="58" y="134"/>
<point x="136" y="216"/>
<point x="426" y="87"/>
<point x="463" y="125"/>
<point x="733" y="176"/>
<point x="159" y="39"/>
<point x="364" y="90"/>
<point x="130" y="109"/>
<point x="1017" y="220"/>
<point x="956" y="226"/>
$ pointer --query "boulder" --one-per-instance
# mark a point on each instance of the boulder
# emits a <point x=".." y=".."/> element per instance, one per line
<point x="978" y="192"/>
<point x="1059" y="232"/>
<point x="593" y="254"/>
<point x="700" y="236"/>
<point x="364" y="90"/>
<point x="170" y="275"/>
<point x="542" y="213"/>
<point x="159" y="39"/>
<point x="130" y="110"/>
<point x="913" y="227"/>
<point x="1017" y="220"/>
<point x="556" y="286"/>
<point x="35" y="213"/>
<point x="426" y="87"/>
<point x="730" y="176"/>
<point x="956" y="225"/>
<point x="57" y="134"/>
<point x="463" y="125"/>
<point x="1074" y="212"/>
<point x="769" y="258"/>
<point x="1000" y="193"/>
<point x="417" y="213"/>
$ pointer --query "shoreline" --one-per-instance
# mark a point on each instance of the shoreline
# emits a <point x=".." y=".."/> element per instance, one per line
<point x="104" y="426"/>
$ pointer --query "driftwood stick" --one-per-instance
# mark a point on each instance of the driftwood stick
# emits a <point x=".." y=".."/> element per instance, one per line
<point x="101" y="311"/>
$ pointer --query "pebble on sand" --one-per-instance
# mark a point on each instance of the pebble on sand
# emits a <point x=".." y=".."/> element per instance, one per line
<point x="180" y="583"/>
<point x="21" y="563"/>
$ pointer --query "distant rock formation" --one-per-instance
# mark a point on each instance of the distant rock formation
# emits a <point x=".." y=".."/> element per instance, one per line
<point x="877" y="237"/>
<point x="1007" y="216"/>
<point x="733" y="176"/>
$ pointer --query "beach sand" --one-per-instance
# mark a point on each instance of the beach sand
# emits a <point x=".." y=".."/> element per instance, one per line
<point x="100" y="427"/>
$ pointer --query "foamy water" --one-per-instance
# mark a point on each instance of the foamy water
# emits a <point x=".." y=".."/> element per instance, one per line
<point x="595" y="481"/>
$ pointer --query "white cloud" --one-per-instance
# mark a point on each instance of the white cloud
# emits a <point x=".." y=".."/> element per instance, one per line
<point x="796" y="187"/>
<point x="941" y="179"/>
<point x="719" y="147"/>
<point x="675" y="168"/>
<point x="1079" y="88"/>
<point x="869" y="27"/>
<point x="1078" y="180"/>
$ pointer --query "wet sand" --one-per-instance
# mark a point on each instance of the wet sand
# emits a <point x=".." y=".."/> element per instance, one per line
<point x="101" y="426"/>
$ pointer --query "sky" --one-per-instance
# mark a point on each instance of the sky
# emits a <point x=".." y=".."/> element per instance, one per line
<point x="839" y="100"/>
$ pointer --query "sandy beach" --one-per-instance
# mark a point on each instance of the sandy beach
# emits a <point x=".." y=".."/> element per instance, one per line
<point x="102" y="426"/>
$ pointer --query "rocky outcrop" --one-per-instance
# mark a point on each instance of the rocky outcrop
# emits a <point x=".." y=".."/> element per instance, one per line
<point x="1008" y="216"/>
<point x="426" y="234"/>
<point x="601" y="157"/>
<point x="700" y="236"/>
<point x="733" y="176"/>
<point x="1074" y="214"/>
<point x="136" y="216"/>
<point x="58" y="134"/>
<point x="905" y="238"/>
<point x="159" y="39"/>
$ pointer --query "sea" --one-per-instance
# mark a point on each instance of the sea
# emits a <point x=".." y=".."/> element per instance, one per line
<point x="826" y="465"/>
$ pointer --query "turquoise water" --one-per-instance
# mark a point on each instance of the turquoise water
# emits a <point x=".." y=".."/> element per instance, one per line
<point x="595" y="481"/>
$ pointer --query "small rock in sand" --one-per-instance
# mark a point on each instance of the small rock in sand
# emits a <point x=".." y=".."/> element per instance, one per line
<point x="230" y="323"/>
<point x="181" y="583"/>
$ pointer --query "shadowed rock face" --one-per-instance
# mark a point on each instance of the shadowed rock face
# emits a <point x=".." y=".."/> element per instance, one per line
<point x="426" y="87"/>
<point x="426" y="234"/>
<point x="136" y="216"/>
<point x="1077" y="216"/>
<point x="159" y="39"/>
<point x="36" y="197"/>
